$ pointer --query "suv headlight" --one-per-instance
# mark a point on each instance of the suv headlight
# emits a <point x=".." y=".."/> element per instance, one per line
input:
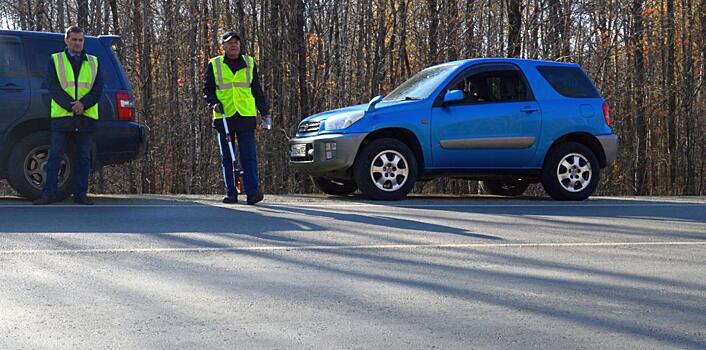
<point x="343" y="120"/>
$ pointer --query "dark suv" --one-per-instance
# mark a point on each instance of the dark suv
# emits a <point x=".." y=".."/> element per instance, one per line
<point x="24" y="111"/>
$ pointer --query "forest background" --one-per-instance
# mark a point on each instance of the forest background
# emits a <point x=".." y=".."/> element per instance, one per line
<point x="648" y="58"/>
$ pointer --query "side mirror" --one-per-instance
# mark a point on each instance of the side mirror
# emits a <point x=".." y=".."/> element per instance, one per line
<point x="453" y="96"/>
<point x="373" y="102"/>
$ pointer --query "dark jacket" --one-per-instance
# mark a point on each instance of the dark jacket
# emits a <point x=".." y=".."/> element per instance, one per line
<point x="209" y="92"/>
<point x="75" y="123"/>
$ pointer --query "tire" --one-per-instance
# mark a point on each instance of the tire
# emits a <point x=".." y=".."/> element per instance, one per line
<point x="337" y="188"/>
<point x="571" y="172"/>
<point x="386" y="169"/>
<point x="504" y="188"/>
<point x="26" y="167"/>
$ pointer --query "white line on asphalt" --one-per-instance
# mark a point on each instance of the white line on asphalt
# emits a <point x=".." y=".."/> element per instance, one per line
<point x="347" y="247"/>
<point x="359" y="205"/>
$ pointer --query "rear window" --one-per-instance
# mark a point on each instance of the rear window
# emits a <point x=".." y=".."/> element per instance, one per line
<point x="569" y="81"/>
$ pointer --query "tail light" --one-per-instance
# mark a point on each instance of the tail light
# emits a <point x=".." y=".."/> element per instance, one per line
<point x="606" y="114"/>
<point x="126" y="106"/>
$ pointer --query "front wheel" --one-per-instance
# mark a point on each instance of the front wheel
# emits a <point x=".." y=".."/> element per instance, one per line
<point x="337" y="188"/>
<point x="386" y="169"/>
<point x="571" y="172"/>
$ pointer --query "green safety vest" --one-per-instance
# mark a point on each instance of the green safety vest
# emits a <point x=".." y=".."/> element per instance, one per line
<point x="75" y="89"/>
<point x="233" y="89"/>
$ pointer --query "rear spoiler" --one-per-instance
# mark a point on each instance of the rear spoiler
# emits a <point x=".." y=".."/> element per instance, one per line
<point x="107" y="40"/>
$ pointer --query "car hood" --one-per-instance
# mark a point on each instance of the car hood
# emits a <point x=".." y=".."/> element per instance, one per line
<point x="362" y="107"/>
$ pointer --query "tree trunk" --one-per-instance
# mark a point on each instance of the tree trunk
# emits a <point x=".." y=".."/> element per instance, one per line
<point x="301" y="58"/>
<point x="672" y="97"/>
<point x="514" y="16"/>
<point x="433" y="31"/>
<point x="470" y="40"/>
<point x="82" y="14"/>
<point x="639" y="78"/>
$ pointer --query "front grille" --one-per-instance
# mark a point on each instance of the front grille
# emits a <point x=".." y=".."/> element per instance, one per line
<point x="307" y="127"/>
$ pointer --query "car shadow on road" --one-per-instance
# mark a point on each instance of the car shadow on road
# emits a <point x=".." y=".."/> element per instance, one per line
<point x="388" y="222"/>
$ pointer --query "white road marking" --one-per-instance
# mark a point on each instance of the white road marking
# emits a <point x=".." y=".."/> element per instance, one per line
<point x="347" y="247"/>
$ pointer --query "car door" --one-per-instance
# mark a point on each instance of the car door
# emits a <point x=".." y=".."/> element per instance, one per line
<point x="495" y="126"/>
<point x="14" y="84"/>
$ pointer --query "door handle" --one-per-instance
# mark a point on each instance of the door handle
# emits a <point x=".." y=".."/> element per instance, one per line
<point x="11" y="88"/>
<point x="528" y="109"/>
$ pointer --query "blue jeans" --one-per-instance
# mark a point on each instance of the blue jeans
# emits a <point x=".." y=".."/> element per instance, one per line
<point x="248" y="159"/>
<point x="81" y="161"/>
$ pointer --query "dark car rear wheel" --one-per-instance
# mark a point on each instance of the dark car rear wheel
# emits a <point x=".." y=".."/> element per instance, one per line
<point x="334" y="187"/>
<point x="385" y="169"/>
<point x="26" y="171"/>
<point x="571" y="172"/>
<point x="504" y="188"/>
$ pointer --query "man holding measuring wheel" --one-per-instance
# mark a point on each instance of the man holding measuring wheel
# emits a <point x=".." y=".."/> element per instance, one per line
<point x="232" y="89"/>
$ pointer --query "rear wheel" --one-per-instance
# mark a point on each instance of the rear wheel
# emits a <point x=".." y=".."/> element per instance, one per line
<point x="26" y="171"/>
<point x="386" y="169"/>
<point x="571" y="172"/>
<point x="338" y="188"/>
<point x="505" y="188"/>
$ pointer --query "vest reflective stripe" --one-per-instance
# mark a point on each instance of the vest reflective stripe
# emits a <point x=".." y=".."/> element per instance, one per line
<point x="86" y="79"/>
<point x="233" y="88"/>
<point x="68" y="81"/>
<point x="219" y="75"/>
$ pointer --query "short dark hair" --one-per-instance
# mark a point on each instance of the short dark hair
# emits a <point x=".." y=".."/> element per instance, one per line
<point x="73" y="29"/>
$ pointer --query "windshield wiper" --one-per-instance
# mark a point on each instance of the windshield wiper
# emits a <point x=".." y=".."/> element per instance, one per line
<point x="410" y="98"/>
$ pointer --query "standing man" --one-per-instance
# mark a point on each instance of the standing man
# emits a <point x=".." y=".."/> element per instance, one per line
<point x="75" y="87"/>
<point x="232" y="88"/>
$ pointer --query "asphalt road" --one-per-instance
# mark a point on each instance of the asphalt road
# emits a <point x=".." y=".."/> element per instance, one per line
<point x="312" y="272"/>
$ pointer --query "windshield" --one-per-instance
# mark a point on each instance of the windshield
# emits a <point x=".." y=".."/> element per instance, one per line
<point x="422" y="84"/>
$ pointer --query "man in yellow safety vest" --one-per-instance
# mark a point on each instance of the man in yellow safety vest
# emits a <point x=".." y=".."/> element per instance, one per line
<point x="232" y="89"/>
<point x="75" y="87"/>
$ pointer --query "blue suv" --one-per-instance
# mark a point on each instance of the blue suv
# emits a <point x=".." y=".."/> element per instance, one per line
<point x="506" y="122"/>
<point x="24" y="111"/>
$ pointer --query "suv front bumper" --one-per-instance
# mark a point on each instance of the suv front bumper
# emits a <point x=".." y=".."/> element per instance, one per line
<point x="610" y="147"/>
<point x="325" y="153"/>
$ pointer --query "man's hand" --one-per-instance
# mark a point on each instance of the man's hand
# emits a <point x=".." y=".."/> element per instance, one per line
<point x="217" y="107"/>
<point x="267" y="122"/>
<point x="77" y="107"/>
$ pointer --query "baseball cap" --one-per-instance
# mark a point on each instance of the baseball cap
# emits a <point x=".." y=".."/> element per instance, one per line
<point x="229" y="35"/>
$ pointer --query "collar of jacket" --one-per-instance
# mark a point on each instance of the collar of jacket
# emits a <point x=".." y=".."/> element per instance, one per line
<point x="83" y="54"/>
<point x="236" y="61"/>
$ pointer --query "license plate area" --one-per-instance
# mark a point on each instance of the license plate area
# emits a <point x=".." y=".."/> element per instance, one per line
<point x="298" y="150"/>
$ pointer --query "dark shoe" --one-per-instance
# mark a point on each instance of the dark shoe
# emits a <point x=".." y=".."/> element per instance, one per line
<point x="45" y="201"/>
<point x="230" y="200"/>
<point x="83" y="200"/>
<point x="257" y="197"/>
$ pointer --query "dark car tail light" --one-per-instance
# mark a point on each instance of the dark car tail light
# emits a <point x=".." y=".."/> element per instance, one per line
<point x="126" y="106"/>
<point x="606" y="114"/>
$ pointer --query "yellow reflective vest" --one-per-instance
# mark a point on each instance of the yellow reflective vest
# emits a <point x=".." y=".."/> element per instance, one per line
<point x="233" y="89"/>
<point x="75" y="89"/>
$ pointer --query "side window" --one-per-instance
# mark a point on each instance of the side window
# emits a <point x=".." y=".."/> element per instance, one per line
<point x="41" y="50"/>
<point x="493" y="86"/>
<point x="12" y="62"/>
